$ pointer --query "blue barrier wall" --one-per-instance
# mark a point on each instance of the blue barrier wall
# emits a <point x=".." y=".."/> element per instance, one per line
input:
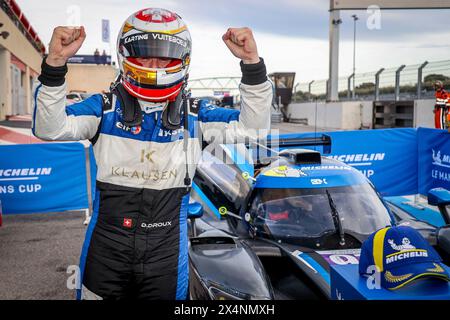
<point x="387" y="157"/>
<point x="48" y="177"/>
<point x="433" y="159"/>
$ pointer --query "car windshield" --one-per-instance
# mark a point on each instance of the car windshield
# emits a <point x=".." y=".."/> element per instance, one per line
<point x="289" y="214"/>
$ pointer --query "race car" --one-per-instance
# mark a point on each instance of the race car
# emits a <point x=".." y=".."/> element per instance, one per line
<point x="263" y="225"/>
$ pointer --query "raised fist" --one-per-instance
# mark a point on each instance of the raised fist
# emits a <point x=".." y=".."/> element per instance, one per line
<point x="65" y="43"/>
<point x="241" y="43"/>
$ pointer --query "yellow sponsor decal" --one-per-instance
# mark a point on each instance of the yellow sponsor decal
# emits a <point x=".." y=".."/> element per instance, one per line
<point x="277" y="172"/>
<point x="223" y="211"/>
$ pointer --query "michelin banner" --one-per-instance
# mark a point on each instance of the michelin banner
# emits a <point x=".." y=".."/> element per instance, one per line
<point x="434" y="159"/>
<point x="40" y="178"/>
<point x="387" y="157"/>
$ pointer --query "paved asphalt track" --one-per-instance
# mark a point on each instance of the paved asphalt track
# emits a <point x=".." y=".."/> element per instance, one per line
<point x="35" y="252"/>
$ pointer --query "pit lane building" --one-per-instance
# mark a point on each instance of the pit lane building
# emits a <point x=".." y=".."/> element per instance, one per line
<point x="21" y="53"/>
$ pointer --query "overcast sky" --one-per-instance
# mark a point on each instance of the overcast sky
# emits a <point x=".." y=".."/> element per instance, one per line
<point x="292" y="35"/>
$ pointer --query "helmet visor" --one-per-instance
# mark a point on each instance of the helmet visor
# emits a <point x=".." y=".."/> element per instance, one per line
<point x="154" y="45"/>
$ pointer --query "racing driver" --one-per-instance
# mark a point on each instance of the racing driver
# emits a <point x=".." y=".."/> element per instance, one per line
<point x="147" y="135"/>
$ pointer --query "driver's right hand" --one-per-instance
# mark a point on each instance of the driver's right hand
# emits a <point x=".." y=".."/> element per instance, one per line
<point x="65" y="43"/>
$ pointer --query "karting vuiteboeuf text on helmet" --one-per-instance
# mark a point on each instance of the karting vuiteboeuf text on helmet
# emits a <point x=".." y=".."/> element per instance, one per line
<point x="154" y="33"/>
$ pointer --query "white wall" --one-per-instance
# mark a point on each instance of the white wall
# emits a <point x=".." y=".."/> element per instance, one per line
<point x="334" y="115"/>
<point x="353" y="115"/>
<point x="367" y="116"/>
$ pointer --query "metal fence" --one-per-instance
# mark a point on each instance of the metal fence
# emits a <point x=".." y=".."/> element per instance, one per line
<point x="399" y="83"/>
<point x="215" y="86"/>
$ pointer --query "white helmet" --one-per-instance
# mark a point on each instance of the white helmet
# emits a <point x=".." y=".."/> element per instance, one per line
<point x="154" y="33"/>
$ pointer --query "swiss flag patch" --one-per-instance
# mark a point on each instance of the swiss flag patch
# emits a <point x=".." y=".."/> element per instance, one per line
<point x="127" y="223"/>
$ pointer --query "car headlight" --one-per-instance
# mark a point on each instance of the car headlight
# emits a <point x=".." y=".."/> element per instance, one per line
<point x="220" y="292"/>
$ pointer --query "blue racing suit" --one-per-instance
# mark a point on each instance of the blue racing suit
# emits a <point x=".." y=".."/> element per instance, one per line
<point x="136" y="244"/>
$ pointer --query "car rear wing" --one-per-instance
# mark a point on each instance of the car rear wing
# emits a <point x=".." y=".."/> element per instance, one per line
<point x="274" y="145"/>
<point x="289" y="143"/>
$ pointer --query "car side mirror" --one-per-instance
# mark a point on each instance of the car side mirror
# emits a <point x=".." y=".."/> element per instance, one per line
<point x="195" y="211"/>
<point x="440" y="197"/>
